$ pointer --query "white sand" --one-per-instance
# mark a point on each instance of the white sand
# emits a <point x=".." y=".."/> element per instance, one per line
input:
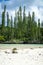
<point x="23" y="57"/>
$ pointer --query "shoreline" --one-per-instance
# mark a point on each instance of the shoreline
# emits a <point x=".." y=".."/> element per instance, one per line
<point x="20" y="46"/>
<point x="21" y="42"/>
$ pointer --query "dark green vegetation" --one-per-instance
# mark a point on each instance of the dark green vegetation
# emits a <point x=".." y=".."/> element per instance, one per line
<point x="23" y="28"/>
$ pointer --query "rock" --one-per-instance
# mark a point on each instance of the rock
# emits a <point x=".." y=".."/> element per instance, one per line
<point x="14" y="50"/>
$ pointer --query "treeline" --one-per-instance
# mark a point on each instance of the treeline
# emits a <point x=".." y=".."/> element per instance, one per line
<point x="23" y="27"/>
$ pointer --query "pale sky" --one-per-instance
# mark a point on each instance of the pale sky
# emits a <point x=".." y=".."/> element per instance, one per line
<point x="31" y="5"/>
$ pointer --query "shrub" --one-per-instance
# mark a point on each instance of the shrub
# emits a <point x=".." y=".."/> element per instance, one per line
<point x="2" y="38"/>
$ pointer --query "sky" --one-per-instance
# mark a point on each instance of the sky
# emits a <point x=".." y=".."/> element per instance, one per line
<point x="31" y="5"/>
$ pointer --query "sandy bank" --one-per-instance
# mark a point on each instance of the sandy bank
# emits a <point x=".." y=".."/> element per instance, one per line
<point x="22" y="57"/>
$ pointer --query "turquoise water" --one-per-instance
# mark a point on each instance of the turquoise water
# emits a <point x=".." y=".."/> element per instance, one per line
<point x="20" y="46"/>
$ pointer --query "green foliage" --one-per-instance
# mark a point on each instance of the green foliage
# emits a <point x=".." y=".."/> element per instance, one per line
<point x="12" y="32"/>
<point x="2" y="38"/>
<point x="19" y="23"/>
<point x="7" y="19"/>
<point x="25" y="27"/>
<point x="28" y="33"/>
<point x="3" y="20"/>
<point x="39" y="29"/>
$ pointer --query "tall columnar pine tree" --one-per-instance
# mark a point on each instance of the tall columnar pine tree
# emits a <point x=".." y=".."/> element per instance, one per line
<point x="8" y="26"/>
<point x="15" y="21"/>
<point x="29" y="26"/>
<point x="3" y="19"/>
<point x="15" y="25"/>
<point x="35" y="30"/>
<point x="12" y="32"/>
<point x="39" y="29"/>
<point x="24" y="22"/>
<point x="24" y="16"/>
<point x="33" y="26"/>
<point x="19" y="24"/>
<point x="7" y="20"/>
<point x="20" y="17"/>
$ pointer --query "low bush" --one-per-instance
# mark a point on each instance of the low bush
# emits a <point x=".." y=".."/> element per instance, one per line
<point x="2" y="38"/>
